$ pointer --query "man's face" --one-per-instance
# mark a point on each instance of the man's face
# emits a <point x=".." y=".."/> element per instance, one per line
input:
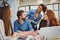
<point x="23" y="16"/>
<point x="39" y="9"/>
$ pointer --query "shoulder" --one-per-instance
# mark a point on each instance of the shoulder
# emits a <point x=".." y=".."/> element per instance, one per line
<point x="16" y="21"/>
<point x="32" y="10"/>
<point x="1" y="20"/>
<point x="26" y="20"/>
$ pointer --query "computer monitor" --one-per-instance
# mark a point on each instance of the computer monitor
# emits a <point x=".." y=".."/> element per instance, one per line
<point x="49" y="33"/>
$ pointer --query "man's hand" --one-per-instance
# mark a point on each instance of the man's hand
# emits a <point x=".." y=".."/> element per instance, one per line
<point x="25" y="34"/>
<point x="36" y="33"/>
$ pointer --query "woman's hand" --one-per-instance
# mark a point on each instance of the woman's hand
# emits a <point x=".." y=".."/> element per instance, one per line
<point x="30" y="20"/>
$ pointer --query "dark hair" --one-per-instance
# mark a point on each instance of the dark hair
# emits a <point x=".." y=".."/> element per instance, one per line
<point x="43" y="7"/>
<point x="43" y="23"/>
<point x="19" y="13"/>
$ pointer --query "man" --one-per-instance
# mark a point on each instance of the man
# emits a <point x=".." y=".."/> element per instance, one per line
<point x="22" y="26"/>
<point x="35" y="15"/>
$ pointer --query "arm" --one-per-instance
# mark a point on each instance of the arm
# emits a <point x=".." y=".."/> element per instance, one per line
<point x="30" y="17"/>
<point x="20" y="33"/>
<point x="30" y="13"/>
<point x="36" y="22"/>
<point x="30" y="26"/>
<point x="33" y="22"/>
<point x="31" y="31"/>
<point x="15" y="27"/>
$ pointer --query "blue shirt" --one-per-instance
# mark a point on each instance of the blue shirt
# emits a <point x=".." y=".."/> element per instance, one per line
<point x="31" y="16"/>
<point x="26" y="26"/>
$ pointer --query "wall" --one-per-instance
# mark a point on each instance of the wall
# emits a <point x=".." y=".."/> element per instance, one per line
<point x="14" y="6"/>
<point x="59" y="12"/>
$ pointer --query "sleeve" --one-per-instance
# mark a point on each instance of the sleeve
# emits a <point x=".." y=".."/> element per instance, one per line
<point x="29" y="13"/>
<point x="15" y="27"/>
<point x="30" y="26"/>
<point x="36" y="22"/>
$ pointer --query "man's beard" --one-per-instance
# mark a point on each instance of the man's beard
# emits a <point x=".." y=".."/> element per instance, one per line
<point x="24" y="19"/>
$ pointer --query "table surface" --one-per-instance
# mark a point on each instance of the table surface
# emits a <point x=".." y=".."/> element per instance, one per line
<point x="28" y="38"/>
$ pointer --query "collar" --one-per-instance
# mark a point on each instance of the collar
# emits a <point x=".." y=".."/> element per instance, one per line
<point x="20" y="23"/>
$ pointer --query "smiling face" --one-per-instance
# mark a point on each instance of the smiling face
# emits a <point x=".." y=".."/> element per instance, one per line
<point x="23" y="16"/>
<point x="39" y="9"/>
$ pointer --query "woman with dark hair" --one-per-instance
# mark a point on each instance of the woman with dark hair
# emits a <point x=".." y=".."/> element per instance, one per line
<point x="34" y="16"/>
<point x="43" y="7"/>
<point x="5" y="12"/>
<point x="43" y="23"/>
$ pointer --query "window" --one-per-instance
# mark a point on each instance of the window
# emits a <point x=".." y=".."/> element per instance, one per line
<point x="27" y="8"/>
<point x="55" y="6"/>
<point x="56" y="14"/>
<point x="22" y="8"/>
<point x="34" y="7"/>
<point x="50" y="7"/>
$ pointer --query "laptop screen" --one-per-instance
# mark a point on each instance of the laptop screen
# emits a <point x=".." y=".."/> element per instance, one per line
<point x="49" y="33"/>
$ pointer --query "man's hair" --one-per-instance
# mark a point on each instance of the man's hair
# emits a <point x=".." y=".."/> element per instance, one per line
<point x="19" y="13"/>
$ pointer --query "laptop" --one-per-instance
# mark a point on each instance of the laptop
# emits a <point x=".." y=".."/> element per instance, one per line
<point x="49" y="33"/>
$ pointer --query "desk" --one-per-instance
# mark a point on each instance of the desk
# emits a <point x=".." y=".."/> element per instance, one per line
<point x="30" y="37"/>
<point x="35" y="37"/>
